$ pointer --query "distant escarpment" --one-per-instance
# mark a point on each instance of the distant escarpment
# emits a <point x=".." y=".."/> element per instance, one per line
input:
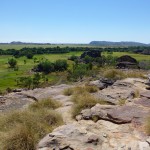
<point x="122" y="43"/>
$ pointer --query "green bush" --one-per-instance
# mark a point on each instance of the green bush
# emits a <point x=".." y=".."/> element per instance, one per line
<point x="29" y="55"/>
<point x="12" y="63"/>
<point x="78" y="72"/>
<point x="73" y="58"/>
<point x="48" y="67"/>
<point x="60" y="65"/>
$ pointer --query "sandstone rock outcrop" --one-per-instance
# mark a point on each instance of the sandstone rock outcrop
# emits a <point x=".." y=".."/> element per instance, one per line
<point x="103" y="127"/>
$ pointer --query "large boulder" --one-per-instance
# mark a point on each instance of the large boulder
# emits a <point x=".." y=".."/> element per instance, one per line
<point x="102" y="83"/>
<point x="126" y="58"/>
<point x="127" y="61"/>
<point x="88" y="135"/>
<point x="71" y="137"/>
<point x="117" y="114"/>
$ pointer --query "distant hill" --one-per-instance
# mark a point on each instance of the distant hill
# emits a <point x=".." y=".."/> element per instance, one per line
<point x="25" y="43"/>
<point x="108" y="43"/>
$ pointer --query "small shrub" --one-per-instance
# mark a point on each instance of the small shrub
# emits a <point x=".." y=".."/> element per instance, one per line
<point x="46" y="103"/>
<point x="60" y="65"/>
<point x="78" y="72"/>
<point x="68" y="91"/>
<point x="12" y="63"/>
<point x="9" y="90"/>
<point x="73" y="58"/>
<point x="147" y="126"/>
<point x="29" y="55"/>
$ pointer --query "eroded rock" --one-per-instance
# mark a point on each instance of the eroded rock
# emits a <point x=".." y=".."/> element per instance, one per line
<point x="118" y="114"/>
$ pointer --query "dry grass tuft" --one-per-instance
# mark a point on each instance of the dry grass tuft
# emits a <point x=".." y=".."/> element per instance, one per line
<point x="122" y="102"/>
<point x="119" y="74"/>
<point x="68" y="92"/>
<point x="21" y="130"/>
<point x="114" y="74"/>
<point x="80" y="90"/>
<point x="83" y="101"/>
<point x="134" y="74"/>
<point x="136" y="93"/>
<point x="45" y="103"/>
<point x="91" y="89"/>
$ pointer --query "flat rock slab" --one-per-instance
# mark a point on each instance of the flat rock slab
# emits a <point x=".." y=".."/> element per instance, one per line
<point x="126" y="114"/>
<point x="117" y="114"/>
<point x="119" y="90"/>
<point x="143" y="101"/>
<point x="145" y="94"/>
<point x="87" y="135"/>
<point x="18" y="100"/>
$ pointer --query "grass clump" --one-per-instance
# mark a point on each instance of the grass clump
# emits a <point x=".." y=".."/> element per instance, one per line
<point x="147" y="126"/>
<point x="21" y="130"/>
<point x="120" y="74"/>
<point x="46" y="103"/>
<point x="135" y="74"/>
<point x="68" y="92"/>
<point x="85" y="89"/>
<point x="20" y="138"/>
<point x="136" y="93"/>
<point x="91" y="89"/>
<point x="122" y="102"/>
<point x="83" y="101"/>
<point x="114" y="74"/>
<point x="79" y="90"/>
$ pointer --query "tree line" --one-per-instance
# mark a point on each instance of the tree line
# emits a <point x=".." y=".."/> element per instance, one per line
<point x="29" y="52"/>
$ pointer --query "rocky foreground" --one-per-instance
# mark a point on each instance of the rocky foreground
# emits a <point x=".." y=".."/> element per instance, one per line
<point x="118" y="126"/>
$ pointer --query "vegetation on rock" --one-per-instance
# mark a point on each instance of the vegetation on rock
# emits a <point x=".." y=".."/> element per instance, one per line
<point x="21" y="130"/>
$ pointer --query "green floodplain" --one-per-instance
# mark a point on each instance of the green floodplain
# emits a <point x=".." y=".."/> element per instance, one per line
<point x="8" y="76"/>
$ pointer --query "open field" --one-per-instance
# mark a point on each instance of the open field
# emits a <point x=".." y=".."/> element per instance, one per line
<point x="8" y="76"/>
<point x="18" y="47"/>
<point x="138" y="57"/>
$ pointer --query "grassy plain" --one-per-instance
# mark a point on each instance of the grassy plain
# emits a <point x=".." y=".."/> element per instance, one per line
<point x="138" y="57"/>
<point x="8" y="76"/>
<point x="18" y="47"/>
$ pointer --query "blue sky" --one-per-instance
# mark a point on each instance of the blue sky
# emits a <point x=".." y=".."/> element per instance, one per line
<point x="74" y="21"/>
